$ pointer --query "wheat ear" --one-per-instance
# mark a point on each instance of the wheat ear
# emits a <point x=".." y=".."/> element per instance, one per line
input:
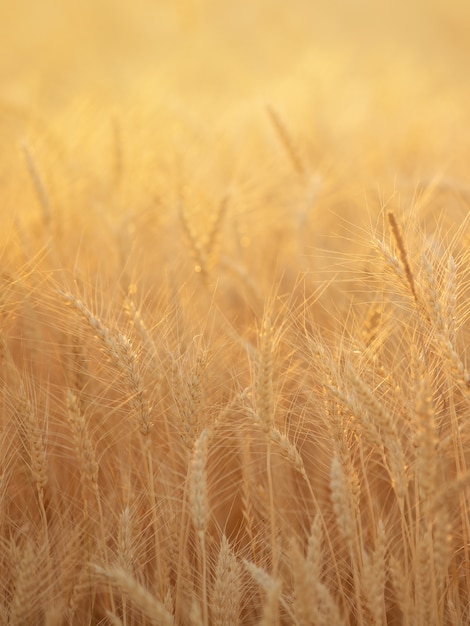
<point x="400" y="243"/>
<point x="38" y="184"/>
<point x="272" y="589"/>
<point x="226" y="590"/>
<point x="25" y="595"/>
<point x="119" y="349"/>
<point x="265" y="415"/>
<point x="374" y="577"/>
<point x="85" y="451"/>
<point x="199" y="505"/>
<point x="127" y="585"/>
<point x="286" y="141"/>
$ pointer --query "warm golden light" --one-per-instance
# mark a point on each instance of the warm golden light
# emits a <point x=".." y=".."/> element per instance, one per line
<point x="234" y="312"/>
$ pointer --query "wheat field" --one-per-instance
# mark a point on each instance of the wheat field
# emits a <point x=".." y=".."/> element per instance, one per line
<point x="234" y="307"/>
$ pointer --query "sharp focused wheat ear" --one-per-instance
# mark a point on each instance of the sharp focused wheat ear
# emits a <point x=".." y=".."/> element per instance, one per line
<point x="400" y="243"/>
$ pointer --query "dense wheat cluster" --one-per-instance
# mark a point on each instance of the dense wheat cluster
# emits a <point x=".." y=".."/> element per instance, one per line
<point x="234" y="313"/>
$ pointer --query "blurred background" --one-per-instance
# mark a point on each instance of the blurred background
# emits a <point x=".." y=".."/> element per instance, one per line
<point x="119" y="90"/>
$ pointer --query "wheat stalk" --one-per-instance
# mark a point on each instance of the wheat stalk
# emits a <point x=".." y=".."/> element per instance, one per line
<point x="199" y="505"/>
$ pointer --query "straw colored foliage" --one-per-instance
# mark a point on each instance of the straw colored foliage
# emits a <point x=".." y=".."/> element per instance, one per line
<point x="234" y="313"/>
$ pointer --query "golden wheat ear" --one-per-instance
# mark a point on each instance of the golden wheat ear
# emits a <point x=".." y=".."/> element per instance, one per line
<point x="403" y="254"/>
<point x="287" y="141"/>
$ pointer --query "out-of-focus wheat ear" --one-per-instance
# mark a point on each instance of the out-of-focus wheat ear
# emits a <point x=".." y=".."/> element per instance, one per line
<point x="117" y="156"/>
<point x="226" y="589"/>
<point x="372" y="325"/>
<point x="346" y="508"/>
<point x="433" y="296"/>
<point x="287" y="141"/>
<point x="197" y="249"/>
<point x="211" y="241"/>
<point x="395" y="459"/>
<point x="374" y="577"/>
<point x="248" y="489"/>
<point x="402" y="588"/>
<point x="113" y="619"/>
<point x="441" y="549"/>
<point x="54" y="615"/>
<point x="264" y="381"/>
<point x="26" y="596"/>
<point x="272" y="588"/>
<point x="343" y="506"/>
<point x="454" y="617"/>
<point x="135" y="317"/>
<point x="426" y="440"/>
<point x="125" y="547"/>
<point x="425" y="591"/>
<point x="402" y="252"/>
<point x="137" y="594"/>
<point x="81" y="585"/>
<point x="39" y="186"/>
<point x="199" y="506"/>
<point x="195" y="613"/>
<point x="445" y="327"/>
<point x="305" y="598"/>
<point x="315" y="549"/>
<point x="450" y="299"/>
